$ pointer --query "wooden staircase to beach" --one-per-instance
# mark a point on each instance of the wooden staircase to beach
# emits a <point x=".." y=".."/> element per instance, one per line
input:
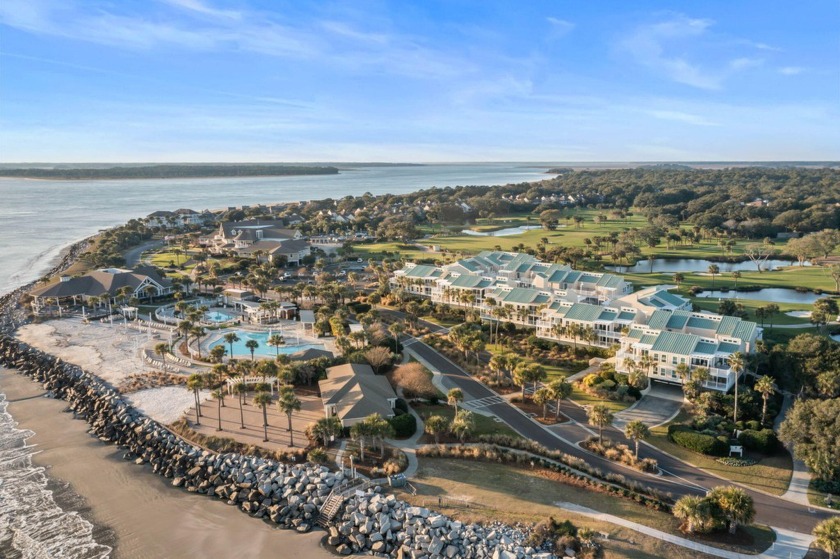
<point x="330" y="509"/>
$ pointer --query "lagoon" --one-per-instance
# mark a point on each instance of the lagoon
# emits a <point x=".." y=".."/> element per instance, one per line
<point x="769" y="294"/>
<point x="507" y="232"/>
<point x="673" y="265"/>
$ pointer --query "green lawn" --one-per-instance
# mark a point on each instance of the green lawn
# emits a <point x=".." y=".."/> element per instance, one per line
<point x="817" y="498"/>
<point x="486" y="492"/>
<point x="553" y="372"/>
<point x="771" y="474"/>
<point x="750" y="305"/>
<point x="812" y="277"/>
<point x="483" y="425"/>
<point x="582" y="398"/>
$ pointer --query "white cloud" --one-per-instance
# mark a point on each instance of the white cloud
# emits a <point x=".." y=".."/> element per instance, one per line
<point x="744" y="63"/>
<point x="648" y="47"/>
<point x="200" y="7"/>
<point x="683" y="117"/>
<point x="559" y="27"/>
<point x="791" y="70"/>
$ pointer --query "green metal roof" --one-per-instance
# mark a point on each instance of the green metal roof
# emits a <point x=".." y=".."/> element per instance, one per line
<point x="702" y="323"/>
<point x="585" y="312"/>
<point x="659" y="320"/>
<point x="471" y="282"/>
<point x="675" y="342"/>
<point x="677" y="321"/>
<point x="727" y="325"/>
<point x="524" y="295"/>
<point x="423" y="271"/>
<point x="706" y="348"/>
<point x="626" y="315"/>
<point x="728" y="347"/>
<point x="670" y="298"/>
<point x="745" y="330"/>
<point x="648" y="339"/>
<point x="588" y="279"/>
<point x="610" y="281"/>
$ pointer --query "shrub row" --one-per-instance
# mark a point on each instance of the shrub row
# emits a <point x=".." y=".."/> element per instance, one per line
<point x="573" y="462"/>
<point x="493" y="453"/>
<point x="687" y="437"/>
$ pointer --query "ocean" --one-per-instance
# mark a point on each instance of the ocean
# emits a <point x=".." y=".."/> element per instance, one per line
<point x="40" y="218"/>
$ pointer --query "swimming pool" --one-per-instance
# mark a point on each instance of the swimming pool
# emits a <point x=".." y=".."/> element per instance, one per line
<point x="216" y="316"/>
<point x="263" y="349"/>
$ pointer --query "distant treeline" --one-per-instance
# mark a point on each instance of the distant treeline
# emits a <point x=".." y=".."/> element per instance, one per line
<point x="167" y="172"/>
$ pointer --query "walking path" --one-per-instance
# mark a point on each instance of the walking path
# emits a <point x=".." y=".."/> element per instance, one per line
<point x="654" y="408"/>
<point x="801" y="478"/>
<point x="788" y="545"/>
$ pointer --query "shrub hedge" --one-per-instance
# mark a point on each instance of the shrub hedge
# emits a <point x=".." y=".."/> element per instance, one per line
<point x="686" y="437"/>
<point x="762" y="441"/>
<point x="404" y="425"/>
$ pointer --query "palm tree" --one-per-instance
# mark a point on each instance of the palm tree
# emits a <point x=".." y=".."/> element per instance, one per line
<point x="276" y="340"/>
<point x="241" y="390"/>
<point x="326" y="428"/>
<point x="435" y="425"/>
<point x="289" y="404"/>
<point x="453" y="397"/>
<point x="694" y="511"/>
<point x="219" y="396"/>
<point x="252" y="346"/>
<point x="230" y="339"/>
<point x="599" y="415"/>
<point x="463" y="425"/>
<point x="560" y="390"/>
<point x="161" y="350"/>
<point x="735" y="505"/>
<point x="679" y="277"/>
<point x="827" y="534"/>
<point x="396" y="329"/>
<point x="636" y="431"/>
<point x="541" y="397"/>
<point x="713" y="271"/>
<point x="737" y="362"/>
<point x="263" y="399"/>
<point x="736" y="275"/>
<point x="195" y="382"/>
<point x="765" y="387"/>
<point x="360" y="432"/>
<point x="198" y="332"/>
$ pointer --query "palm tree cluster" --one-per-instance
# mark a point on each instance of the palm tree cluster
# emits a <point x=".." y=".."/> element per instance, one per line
<point x="722" y="506"/>
<point x="462" y="425"/>
<point x="374" y="429"/>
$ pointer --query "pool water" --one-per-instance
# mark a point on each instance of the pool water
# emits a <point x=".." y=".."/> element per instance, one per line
<point x="216" y="316"/>
<point x="263" y="350"/>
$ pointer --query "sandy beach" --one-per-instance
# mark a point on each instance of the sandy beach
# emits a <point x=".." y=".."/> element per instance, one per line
<point x="136" y="512"/>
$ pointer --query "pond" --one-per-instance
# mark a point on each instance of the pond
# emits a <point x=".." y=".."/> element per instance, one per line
<point x="769" y="294"/>
<point x="501" y="232"/>
<point x="672" y="265"/>
<point x="263" y="349"/>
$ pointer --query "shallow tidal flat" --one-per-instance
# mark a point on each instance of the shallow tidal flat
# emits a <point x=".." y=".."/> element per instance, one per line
<point x="134" y="510"/>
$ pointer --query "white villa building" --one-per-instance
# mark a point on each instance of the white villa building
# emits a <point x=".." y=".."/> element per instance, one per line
<point x="590" y="308"/>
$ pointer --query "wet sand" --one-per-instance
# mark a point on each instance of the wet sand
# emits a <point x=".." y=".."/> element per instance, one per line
<point x="136" y="512"/>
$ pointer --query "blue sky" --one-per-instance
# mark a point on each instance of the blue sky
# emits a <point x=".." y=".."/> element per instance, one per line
<point x="455" y="80"/>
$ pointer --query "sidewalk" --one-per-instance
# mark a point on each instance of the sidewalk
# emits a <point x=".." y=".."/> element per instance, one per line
<point x="788" y="545"/>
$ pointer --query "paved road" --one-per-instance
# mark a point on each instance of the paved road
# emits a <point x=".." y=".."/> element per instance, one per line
<point x="678" y="479"/>
<point x="132" y="255"/>
<point x="659" y="404"/>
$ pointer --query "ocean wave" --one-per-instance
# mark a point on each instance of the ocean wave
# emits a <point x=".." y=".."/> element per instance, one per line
<point x="32" y="525"/>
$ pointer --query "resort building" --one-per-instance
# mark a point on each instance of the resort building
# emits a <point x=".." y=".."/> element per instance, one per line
<point x="242" y="234"/>
<point x="588" y="308"/>
<point x="105" y="286"/>
<point x="674" y="338"/>
<point x="289" y="252"/>
<point x="352" y="392"/>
